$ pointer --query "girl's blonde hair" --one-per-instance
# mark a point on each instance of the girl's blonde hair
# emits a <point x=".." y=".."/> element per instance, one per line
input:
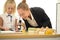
<point x="23" y="5"/>
<point x="8" y="2"/>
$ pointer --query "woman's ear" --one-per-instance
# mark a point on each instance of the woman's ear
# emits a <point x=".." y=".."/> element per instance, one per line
<point x="29" y="10"/>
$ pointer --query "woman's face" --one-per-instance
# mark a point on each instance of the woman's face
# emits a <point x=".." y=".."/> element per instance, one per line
<point x="9" y="8"/>
<point x="23" y="13"/>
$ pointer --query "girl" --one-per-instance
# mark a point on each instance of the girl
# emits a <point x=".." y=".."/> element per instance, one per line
<point x="34" y="17"/>
<point x="8" y="20"/>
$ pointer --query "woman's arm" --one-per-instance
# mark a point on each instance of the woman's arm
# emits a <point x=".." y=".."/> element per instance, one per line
<point x="45" y="19"/>
<point x="42" y="17"/>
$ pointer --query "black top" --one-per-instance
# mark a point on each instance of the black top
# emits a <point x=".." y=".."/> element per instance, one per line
<point x="41" y="18"/>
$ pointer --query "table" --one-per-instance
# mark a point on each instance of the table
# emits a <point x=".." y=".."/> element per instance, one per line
<point x="26" y="35"/>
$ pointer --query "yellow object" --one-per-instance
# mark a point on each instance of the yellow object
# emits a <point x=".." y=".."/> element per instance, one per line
<point x="49" y="31"/>
<point x="23" y="31"/>
<point x="32" y="29"/>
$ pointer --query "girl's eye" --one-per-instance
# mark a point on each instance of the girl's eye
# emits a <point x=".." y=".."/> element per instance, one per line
<point x="10" y="8"/>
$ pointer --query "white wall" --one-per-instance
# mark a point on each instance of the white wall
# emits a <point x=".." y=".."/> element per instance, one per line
<point x="48" y="5"/>
<point x="58" y="16"/>
<point x="58" y="1"/>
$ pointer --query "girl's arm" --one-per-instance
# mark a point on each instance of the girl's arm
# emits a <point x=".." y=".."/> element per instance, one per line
<point x="16" y="27"/>
<point x="1" y="25"/>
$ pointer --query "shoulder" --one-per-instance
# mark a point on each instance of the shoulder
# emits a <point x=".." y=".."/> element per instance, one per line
<point x="2" y="15"/>
<point x="1" y="19"/>
<point x="37" y="9"/>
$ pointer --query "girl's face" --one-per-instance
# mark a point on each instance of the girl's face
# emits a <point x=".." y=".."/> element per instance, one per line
<point x="9" y="8"/>
<point x="24" y="13"/>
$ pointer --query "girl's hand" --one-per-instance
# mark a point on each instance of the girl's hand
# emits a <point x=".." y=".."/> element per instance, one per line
<point x="6" y="28"/>
<point x="16" y="30"/>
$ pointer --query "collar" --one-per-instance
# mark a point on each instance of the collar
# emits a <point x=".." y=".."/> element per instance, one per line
<point x="8" y="14"/>
<point x="31" y="15"/>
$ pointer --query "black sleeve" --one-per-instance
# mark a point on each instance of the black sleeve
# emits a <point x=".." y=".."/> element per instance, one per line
<point x="45" y="21"/>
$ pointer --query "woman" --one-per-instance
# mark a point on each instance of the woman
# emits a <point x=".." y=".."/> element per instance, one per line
<point x="8" y="20"/>
<point x="34" y="17"/>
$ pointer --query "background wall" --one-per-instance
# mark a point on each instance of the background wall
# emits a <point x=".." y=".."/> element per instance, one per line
<point x="58" y="1"/>
<point x="48" y="5"/>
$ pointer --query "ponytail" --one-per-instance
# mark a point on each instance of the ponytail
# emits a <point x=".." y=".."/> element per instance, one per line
<point x="23" y="5"/>
<point x="24" y="1"/>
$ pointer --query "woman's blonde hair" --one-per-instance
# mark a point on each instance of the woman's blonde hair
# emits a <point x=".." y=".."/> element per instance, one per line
<point x="23" y="5"/>
<point x="8" y="2"/>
